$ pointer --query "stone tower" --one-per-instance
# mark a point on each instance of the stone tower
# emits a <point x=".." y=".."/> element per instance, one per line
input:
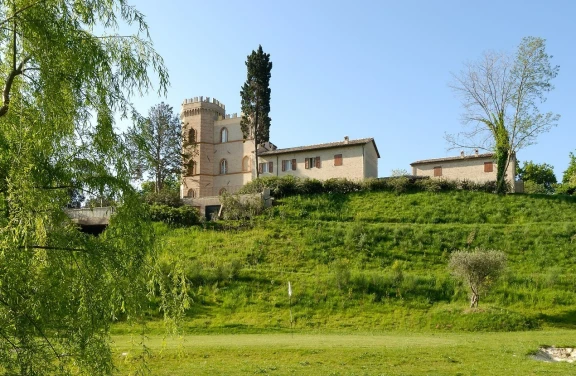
<point x="198" y="116"/>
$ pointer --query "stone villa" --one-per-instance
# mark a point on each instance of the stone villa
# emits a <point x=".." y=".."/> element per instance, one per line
<point x="476" y="167"/>
<point x="223" y="162"/>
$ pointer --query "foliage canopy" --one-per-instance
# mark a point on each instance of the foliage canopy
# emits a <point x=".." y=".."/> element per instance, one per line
<point x="500" y="94"/>
<point x="255" y="95"/>
<point x="477" y="269"/>
<point x="68" y="73"/>
<point x="155" y="144"/>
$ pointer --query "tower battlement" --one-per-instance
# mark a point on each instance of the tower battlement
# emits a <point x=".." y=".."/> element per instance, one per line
<point x="197" y="105"/>
<point x="203" y="99"/>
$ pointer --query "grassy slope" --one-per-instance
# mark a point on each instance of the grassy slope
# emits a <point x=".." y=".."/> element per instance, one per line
<point x="377" y="260"/>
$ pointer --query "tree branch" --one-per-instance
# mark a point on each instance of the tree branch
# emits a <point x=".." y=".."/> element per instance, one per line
<point x="8" y="86"/>
<point x="20" y="11"/>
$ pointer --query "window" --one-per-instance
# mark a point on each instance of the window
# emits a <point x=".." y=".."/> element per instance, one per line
<point x="289" y="164"/>
<point x="266" y="167"/>
<point x="191" y="135"/>
<point x="191" y="193"/>
<point x="191" y="170"/>
<point x="438" y="171"/>
<point x="224" y="135"/>
<point x="223" y="167"/>
<point x="338" y="160"/>
<point x="312" y="162"/>
<point x="488" y="166"/>
<point x="222" y="191"/>
<point x="246" y="163"/>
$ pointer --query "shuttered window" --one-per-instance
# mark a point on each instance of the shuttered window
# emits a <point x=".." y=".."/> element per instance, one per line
<point x="438" y="171"/>
<point x="338" y="160"/>
<point x="488" y="166"/>
<point x="289" y="164"/>
<point x="266" y="167"/>
<point x="313" y="162"/>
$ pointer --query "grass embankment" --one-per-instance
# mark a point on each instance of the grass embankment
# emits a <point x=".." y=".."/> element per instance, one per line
<point x="378" y="261"/>
<point x="394" y="353"/>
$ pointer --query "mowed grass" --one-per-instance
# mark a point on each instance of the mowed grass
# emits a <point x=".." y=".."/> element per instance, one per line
<point x="382" y="353"/>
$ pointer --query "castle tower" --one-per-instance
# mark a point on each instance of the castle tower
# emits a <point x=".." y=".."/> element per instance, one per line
<point x="198" y="116"/>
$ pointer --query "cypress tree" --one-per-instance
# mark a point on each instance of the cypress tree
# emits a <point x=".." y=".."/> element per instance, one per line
<point x="255" y="95"/>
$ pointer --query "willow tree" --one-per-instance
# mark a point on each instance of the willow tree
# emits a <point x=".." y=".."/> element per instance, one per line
<point x="500" y="94"/>
<point x="66" y="74"/>
<point x="255" y="93"/>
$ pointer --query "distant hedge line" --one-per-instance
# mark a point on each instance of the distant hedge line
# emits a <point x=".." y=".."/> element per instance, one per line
<point x="290" y="185"/>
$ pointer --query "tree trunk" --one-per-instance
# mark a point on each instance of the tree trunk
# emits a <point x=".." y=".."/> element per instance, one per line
<point x="502" y="154"/>
<point x="256" y="138"/>
<point x="474" y="299"/>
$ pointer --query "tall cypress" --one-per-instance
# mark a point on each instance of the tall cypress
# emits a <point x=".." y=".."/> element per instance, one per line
<point x="255" y="95"/>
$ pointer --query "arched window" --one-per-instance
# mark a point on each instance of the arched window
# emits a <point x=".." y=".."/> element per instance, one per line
<point x="246" y="164"/>
<point x="191" y="135"/>
<point x="224" y="135"/>
<point x="191" y="193"/>
<point x="191" y="170"/>
<point x="222" y="191"/>
<point x="223" y="167"/>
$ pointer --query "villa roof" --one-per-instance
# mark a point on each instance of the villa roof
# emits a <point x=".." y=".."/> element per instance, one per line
<point x="448" y="159"/>
<point x="328" y="145"/>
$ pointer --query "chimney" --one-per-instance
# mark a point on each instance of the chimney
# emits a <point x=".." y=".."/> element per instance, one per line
<point x="462" y="154"/>
<point x="346" y="139"/>
<point x="476" y="152"/>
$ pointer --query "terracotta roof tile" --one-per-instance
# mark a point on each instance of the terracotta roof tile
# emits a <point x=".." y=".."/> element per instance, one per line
<point x="446" y="159"/>
<point x="322" y="146"/>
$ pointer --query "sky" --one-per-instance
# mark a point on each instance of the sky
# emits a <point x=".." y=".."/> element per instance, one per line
<point x="360" y="68"/>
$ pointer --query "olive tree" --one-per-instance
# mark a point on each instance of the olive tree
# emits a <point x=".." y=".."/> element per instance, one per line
<point x="66" y="74"/>
<point x="500" y="94"/>
<point x="478" y="269"/>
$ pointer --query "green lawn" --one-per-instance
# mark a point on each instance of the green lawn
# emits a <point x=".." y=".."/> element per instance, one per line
<point x="388" y="353"/>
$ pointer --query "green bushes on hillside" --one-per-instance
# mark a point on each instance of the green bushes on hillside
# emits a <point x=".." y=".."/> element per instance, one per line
<point x="289" y="185"/>
<point x="180" y="216"/>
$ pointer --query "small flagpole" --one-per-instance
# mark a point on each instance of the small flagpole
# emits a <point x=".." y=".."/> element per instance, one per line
<point x="290" y="305"/>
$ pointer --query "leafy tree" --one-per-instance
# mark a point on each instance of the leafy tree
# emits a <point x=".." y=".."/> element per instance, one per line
<point x="156" y="144"/>
<point x="568" y="185"/>
<point x="570" y="173"/>
<point x="255" y="94"/>
<point x="478" y="269"/>
<point x="540" y="177"/>
<point x="500" y="95"/>
<point x="65" y="74"/>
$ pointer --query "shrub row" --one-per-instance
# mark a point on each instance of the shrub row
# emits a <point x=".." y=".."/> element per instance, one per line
<point x="290" y="185"/>
<point x="181" y="216"/>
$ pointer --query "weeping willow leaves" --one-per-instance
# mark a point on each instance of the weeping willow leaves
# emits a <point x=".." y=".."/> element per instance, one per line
<point x="66" y="74"/>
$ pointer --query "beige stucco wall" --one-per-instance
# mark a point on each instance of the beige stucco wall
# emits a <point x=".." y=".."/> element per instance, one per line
<point x="352" y="163"/>
<point x="464" y="169"/>
<point x="370" y="161"/>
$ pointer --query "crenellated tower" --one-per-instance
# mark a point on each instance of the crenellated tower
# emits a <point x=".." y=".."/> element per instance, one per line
<point x="198" y="116"/>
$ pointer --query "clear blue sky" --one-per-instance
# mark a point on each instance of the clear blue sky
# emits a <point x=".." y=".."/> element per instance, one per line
<point x="362" y="68"/>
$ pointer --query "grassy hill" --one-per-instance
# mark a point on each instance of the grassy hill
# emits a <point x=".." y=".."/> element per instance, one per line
<point x="378" y="261"/>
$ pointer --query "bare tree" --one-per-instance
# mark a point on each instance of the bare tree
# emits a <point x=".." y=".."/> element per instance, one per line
<point x="500" y="94"/>
<point x="478" y="269"/>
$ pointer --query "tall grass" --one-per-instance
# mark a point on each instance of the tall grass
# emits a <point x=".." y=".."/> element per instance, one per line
<point x="379" y="260"/>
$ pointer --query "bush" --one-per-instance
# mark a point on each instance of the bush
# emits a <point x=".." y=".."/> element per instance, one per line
<point x="167" y="198"/>
<point x="182" y="216"/>
<point x="238" y="207"/>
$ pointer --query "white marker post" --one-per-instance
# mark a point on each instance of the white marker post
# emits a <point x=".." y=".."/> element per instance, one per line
<point x="290" y="303"/>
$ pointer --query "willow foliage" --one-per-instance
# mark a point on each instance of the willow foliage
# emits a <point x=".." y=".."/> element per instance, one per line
<point x="66" y="73"/>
